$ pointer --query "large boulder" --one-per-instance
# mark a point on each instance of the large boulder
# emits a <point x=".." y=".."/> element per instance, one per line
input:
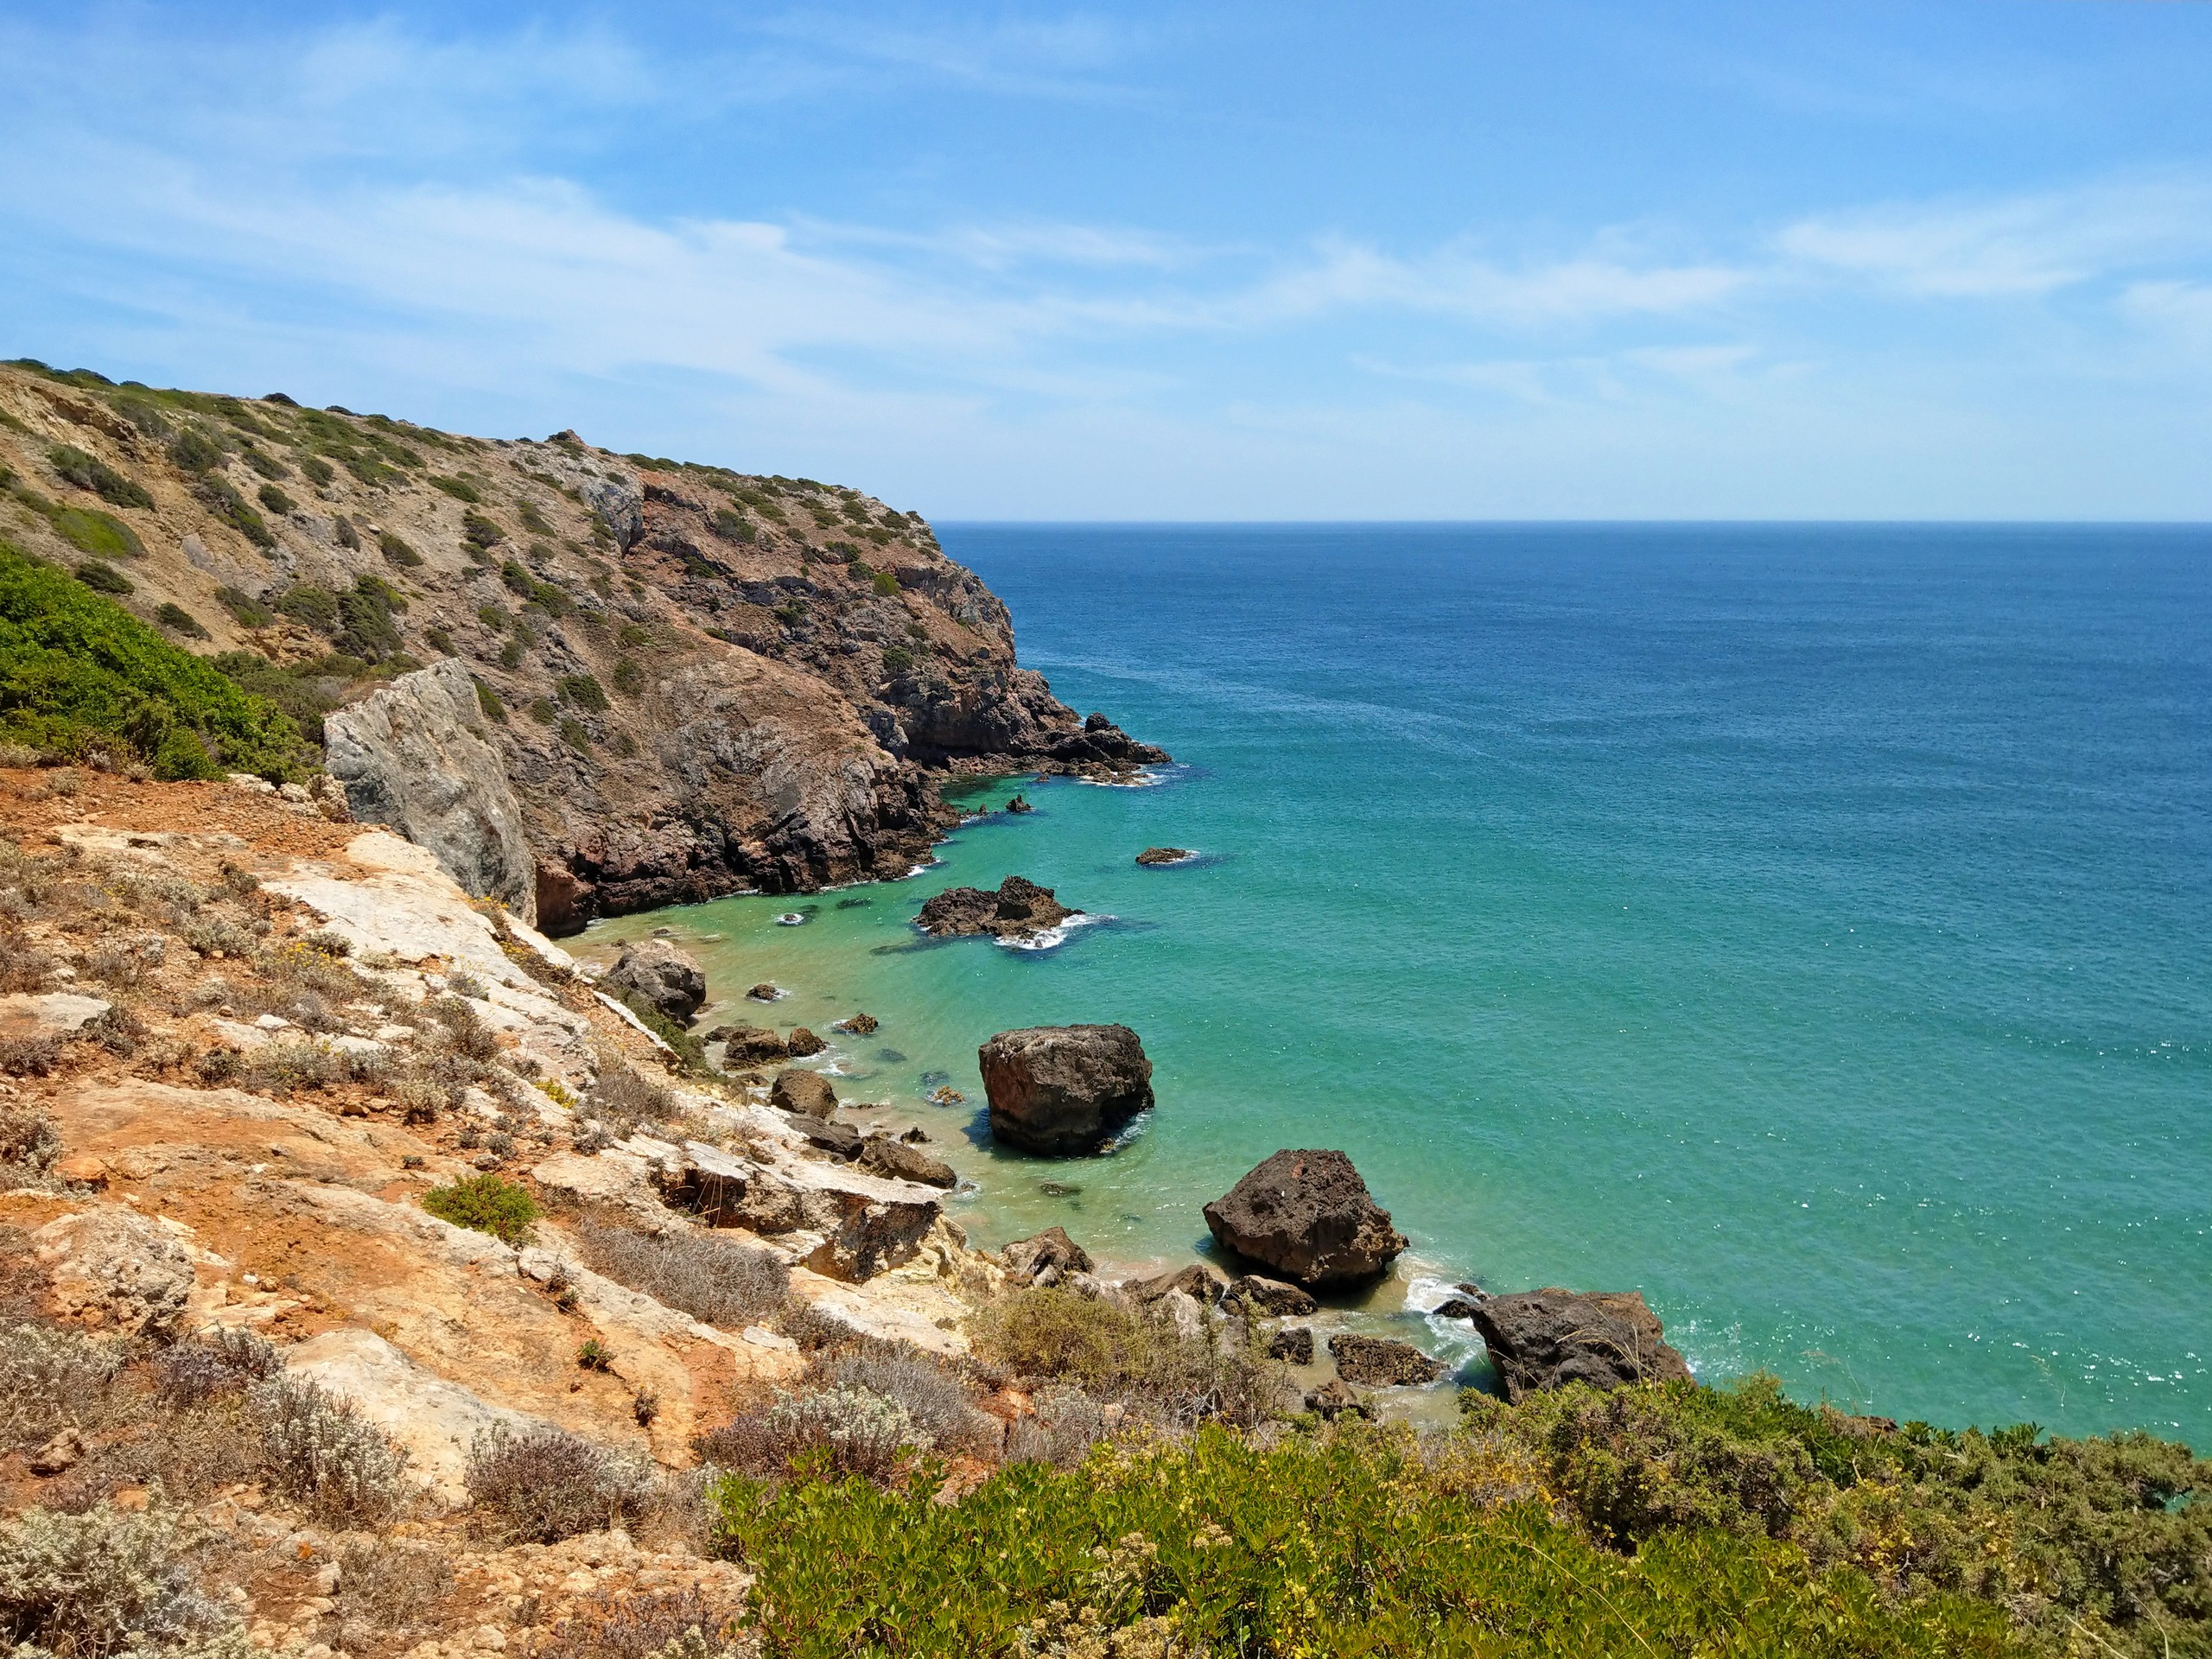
<point x="1378" y="1362"/>
<point x="1019" y="910"/>
<point x="803" y="1092"/>
<point x="901" y="1162"/>
<point x="658" y="973"/>
<point x="1307" y="1215"/>
<point x="1548" y="1338"/>
<point x="1063" y="1090"/>
<point x="115" y="1271"/>
<point x="413" y="756"/>
<point x="1045" y="1258"/>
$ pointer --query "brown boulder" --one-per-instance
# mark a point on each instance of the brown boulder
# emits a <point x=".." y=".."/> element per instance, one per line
<point x="1378" y="1362"/>
<point x="763" y="992"/>
<point x="1044" y="1258"/>
<point x="1307" y="1215"/>
<point x="802" y="1043"/>
<point x="861" y="1024"/>
<point x="1064" y="1090"/>
<point x="1017" y="909"/>
<point x="1293" y="1344"/>
<point x="806" y="1093"/>
<point x="841" y="1139"/>
<point x="1334" y="1398"/>
<point x="904" y="1163"/>
<point x="655" y="972"/>
<point x="1548" y="1338"/>
<point x="1198" y="1281"/>
<point x="1272" y="1297"/>
<point x="1163" y="854"/>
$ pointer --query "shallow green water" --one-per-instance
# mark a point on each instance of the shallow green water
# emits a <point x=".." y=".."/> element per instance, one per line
<point x="1805" y="926"/>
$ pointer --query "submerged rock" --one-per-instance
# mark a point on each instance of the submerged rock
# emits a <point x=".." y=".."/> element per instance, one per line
<point x="1307" y="1215"/>
<point x="1378" y="1362"/>
<point x="1548" y="1338"/>
<point x="413" y="756"/>
<point x="1019" y="909"/>
<point x="657" y="973"/>
<point x="1064" y="1090"/>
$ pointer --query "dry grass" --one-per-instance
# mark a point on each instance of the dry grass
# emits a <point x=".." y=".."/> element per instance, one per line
<point x="390" y="1587"/>
<point x="642" y="1628"/>
<point x="544" y="1484"/>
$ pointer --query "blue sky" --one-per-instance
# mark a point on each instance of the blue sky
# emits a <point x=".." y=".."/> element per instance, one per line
<point x="1281" y="261"/>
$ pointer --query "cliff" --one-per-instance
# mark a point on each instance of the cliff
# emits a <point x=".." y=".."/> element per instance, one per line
<point x="699" y="681"/>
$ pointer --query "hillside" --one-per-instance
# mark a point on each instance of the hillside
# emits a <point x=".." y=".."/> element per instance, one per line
<point x="700" y="681"/>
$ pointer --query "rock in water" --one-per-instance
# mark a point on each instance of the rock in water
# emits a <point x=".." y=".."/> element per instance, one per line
<point x="1308" y="1216"/>
<point x="904" y="1163"/>
<point x="1163" y="854"/>
<point x="1548" y="1338"/>
<point x="1045" y="1258"/>
<point x="859" y="1025"/>
<point x="1065" y="1090"/>
<point x="802" y="1043"/>
<point x="412" y="756"/>
<point x="1018" y="805"/>
<point x="803" y="1092"/>
<point x="1018" y="910"/>
<point x="1378" y="1362"/>
<point x="656" y="972"/>
<point x="1273" y="1297"/>
<point x="1293" y="1344"/>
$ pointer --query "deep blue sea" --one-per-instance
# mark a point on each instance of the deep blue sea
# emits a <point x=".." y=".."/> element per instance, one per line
<point x="1808" y="926"/>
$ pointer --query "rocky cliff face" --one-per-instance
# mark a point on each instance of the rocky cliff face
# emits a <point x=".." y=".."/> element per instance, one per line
<point x="698" y="681"/>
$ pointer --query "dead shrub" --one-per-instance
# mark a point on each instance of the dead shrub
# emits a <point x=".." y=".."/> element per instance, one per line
<point x="290" y="1063"/>
<point x="29" y="1057"/>
<point x="211" y="936"/>
<point x="543" y="1486"/>
<point x="837" y="1431"/>
<point x="714" y="1280"/>
<point x="23" y="1281"/>
<point x="118" y="1031"/>
<point x="465" y="1032"/>
<point x="23" y="966"/>
<point x="28" y="1141"/>
<point x="1061" y="1428"/>
<point x="102" y="1582"/>
<point x="622" y="1097"/>
<point x="189" y="1454"/>
<point x="322" y="1452"/>
<point x="390" y="1586"/>
<point x="126" y="964"/>
<point x="936" y="1397"/>
<point x="682" y="1622"/>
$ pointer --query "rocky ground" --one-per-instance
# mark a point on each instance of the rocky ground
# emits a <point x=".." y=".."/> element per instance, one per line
<point x="697" y="681"/>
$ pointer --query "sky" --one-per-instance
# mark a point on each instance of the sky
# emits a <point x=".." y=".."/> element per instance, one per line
<point x="1555" y="260"/>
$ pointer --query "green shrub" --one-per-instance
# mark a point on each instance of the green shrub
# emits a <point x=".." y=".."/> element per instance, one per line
<point x="100" y="534"/>
<point x="460" y="488"/>
<point x="517" y="580"/>
<point x="275" y="499"/>
<point x="532" y="519"/>
<point x="106" y="1582"/>
<point x="629" y="678"/>
<point x="318" y="471"/>
<point x="488" y="701"/>
<point x="177" y="619"/>
<point x="487" y="1204"/>
<point x="231" y="507"/>
<point x="396" y="552"/>
<point x="479" y="531"/>
<point x="87" y="472"/>
<point x="897" y="659"/>
<point x="574" y="734"/>
<point x="194" y="452"/>
<point x="348" y="536"/>
<point x="312" y="604"/>
<point x="245" y="610"/>
<point x="104" y="578"/>
<point x="267" y="465"/>
<point x="439" y="639"/>
<point x="510" y="654"/>
<point x="885" y="583"/>
<point x="77" y="672"/>
<point x="584" y="691"/>
<point x="1352" y="1546"/>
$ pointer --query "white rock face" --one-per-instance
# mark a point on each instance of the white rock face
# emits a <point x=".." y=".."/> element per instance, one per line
<point x="412" y="756"/>
<point x="48" y="1014"/>
<point x="434" y="1420"/>
<point x="116" y="1271"/>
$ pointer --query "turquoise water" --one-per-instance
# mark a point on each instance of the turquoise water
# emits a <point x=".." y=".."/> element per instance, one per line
<point x="1808" y="926"/>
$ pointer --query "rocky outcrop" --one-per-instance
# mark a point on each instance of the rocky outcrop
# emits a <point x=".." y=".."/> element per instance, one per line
<point x="1548" y="1338"/>
<point x="414" y="756"/>
<point x="901" y="1162"/>
<point x="1307" y="1215"/>
<point x="1378" y="1362"/>
<point x="855" y="1224"/>
<point x="1065" y="1090"/>
<point x="1019" y="910"/>
<point x="662" y="976"/>
<point x="115" y="1272"/>
<point x="1272" y="1297"/>
<point x="1198" y="1281"/>
<point x="1163" y="855"/>
<point x="749" y="1044"/>
<point x="1293" y="1345"/>
<point x="802" y="1044"/>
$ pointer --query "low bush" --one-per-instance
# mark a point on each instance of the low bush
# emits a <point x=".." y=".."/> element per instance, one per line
<point x="460" y="488"/>
<point x="543" y="1486"/>
<point x="292" y="1063"/>
<point x="78" y="673"/>
<point x="275" y="499"/>
<point x="714" y="1280"/>
<point x="223" y="1363"/>
<point x="584" y="691"/>
<point x="885" y="583"/>
<point x="245" y="610"/>
<point x="928" y="1391"/>
<point x="320" y="473"/>
<point x="30" y="1143"/>
<point x="88" y="474"/>
<point x="391" y="1585"/>
<point x="837" y="1432"/>
<point x="487" y="1204"/>
<point x="480" y="531"/>
<point x="52" y="1379"/>
<point x="321" y="1452"/>
<point x="103" y="1582"/>
<point x="192" y="451"/>
<point x="396" y="552"/>
<point x="656" y="1624"/>
<point x="101" y="534"/>
<point x="227" y="504"/>
<point x="177" y="619"/>
<point x="1353" y="1545"/>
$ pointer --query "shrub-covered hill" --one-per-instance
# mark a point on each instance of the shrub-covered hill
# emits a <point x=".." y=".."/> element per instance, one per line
<point x="699" y="680"/>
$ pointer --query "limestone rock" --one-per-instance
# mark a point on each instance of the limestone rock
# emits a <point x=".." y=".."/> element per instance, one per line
<point x="1019" y="909"/>
<point x="1198" y="1281"/>
<point x="115" y="1270"/>
<point x="1307" y="1215"/>
<point x="1293" y="1344"/>
<point x="867" y="1223"/>
<point x="1065" y="1090"/>
<point x="1378" y="1362"/>
<point x="48" y="1014"/>
<point x="1045" y="1258"/>
<point x="661" y="975"/>
<point x="413" y="756"/>
<point x="904" y="1163"/>
<point x="807" y="1093"/>
<point x="1548" y="1338"/>
<point x="749" y="1044"/>
<point x="59" y="1455"/>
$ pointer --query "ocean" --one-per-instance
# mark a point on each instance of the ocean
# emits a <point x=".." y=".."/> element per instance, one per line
<point x="1809" y="927"/>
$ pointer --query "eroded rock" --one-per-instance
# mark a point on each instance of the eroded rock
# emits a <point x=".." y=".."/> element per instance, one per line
<point x="805" y="1093"/>
<point x="1019" y="909"/>
<point x="659" y="974"/>
<point x="1548" y="1338"/>
<point x="115" y="1271"/>
<point x="1045" y="1258"/>
<point x="903" y="1162"/>
<point x="1378" y="1362"/>
<point x="1307" y="1215"/>
<point x="1065" y="1090"/>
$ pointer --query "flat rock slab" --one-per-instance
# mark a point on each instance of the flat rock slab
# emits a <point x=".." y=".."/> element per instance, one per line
<point x="1378" y="1362"/>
